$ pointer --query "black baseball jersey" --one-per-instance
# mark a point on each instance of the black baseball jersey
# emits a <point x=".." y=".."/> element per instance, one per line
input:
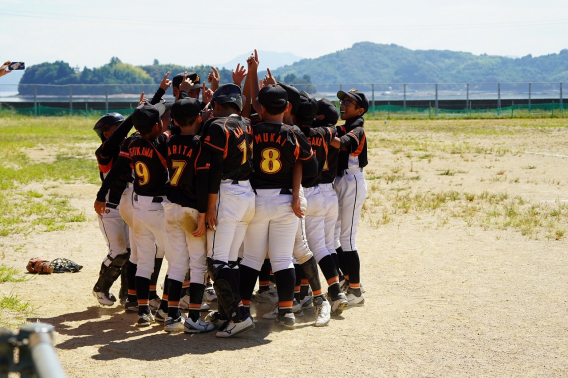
<point x="188" y="166"/>
<point x="149" y="164"/>
<point x="228" y="135"/>
<point x="353" y="151"/>
<point x="276" y="148"/>
<point x="115" y="180"/>
<point x="320" y="139"/>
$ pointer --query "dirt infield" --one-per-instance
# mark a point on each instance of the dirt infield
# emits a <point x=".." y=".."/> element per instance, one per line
<point x="464" y="260"/>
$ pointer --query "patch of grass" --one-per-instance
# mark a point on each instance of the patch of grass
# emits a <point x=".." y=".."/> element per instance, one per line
<point x="529" y="167"/>
<point x="14" y="311"/>
<point x="9" y="274"/>
<point x="447" y="172"/>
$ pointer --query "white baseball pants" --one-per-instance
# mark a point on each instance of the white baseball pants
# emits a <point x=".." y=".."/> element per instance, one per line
<point x="331" y="208"/>
<point x="351" y="193"/>
<point x="149" y="226"/>
<point x="272" y="228"/>
<point x="315" y="224"/>
<point x="115" y="232"/>
<point x="185" y="249"/>
<point x="126" y="209"/>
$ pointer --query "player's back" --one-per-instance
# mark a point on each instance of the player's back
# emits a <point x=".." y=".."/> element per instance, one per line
<point x="229" y="136"/>
<point x="149" y="164"/>
<point x="184" y="152"/>
<point x="320" y="140"/>
<point x="276" y="148"/>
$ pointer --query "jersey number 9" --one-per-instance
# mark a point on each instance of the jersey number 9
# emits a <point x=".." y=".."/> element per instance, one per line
<point x="142" y="173"/>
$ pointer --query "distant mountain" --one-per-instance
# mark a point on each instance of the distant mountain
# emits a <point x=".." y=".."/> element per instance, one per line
<point x="367" y="62"/>
<point x="270" y="59"/>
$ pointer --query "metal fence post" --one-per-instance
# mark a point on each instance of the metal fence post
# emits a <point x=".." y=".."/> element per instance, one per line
<point x="35" y="100"/>
<point x="436" y="111"/>
<point x="70" y="100"/>
<point x="498" y="98"/>
<point x="373" y="97"/>
<point x="561" y="100"/>
<point x="106" y="98"/>
<point x="530" y="95"/>
<point x="404" y="99"/>
<point x="467" y="107"/>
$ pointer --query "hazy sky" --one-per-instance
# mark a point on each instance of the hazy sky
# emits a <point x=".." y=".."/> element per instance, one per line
<point x="89" y="33"/>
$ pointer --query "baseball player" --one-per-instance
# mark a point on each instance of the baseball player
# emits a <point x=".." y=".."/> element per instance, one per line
<point x="276" y="149"/>
<point x="231" y="203"/>
<point x="351" y="186"/>
<point x="184" y="209"/>
<point x="112" y="129"/>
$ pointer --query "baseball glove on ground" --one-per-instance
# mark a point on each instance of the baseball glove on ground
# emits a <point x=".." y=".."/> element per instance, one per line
<point x="37" y="265"/>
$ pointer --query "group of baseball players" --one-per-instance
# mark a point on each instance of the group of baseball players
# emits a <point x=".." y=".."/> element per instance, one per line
<point x="253" y="183"/>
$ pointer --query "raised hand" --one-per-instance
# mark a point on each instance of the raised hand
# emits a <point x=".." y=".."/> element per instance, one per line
<point x="269" y="79"/>
<point x="207" y="94"/>
<point x="186" y="83"/>
<point x="239" y="75"/>
<point x="252" y="61"/>
<point x="166" y="83"/>
<point x="142" y="99"/>
<point x="214" y="78"/>
<point x="4" y="67"/>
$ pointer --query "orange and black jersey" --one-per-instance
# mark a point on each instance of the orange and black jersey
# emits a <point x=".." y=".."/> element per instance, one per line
<point x="353" y="144"/>
<point x="107" y="155"/>
<point x="115" y="180"/>
<point x="229" y="141"/>
<point x="149" y="163"/>
<point x="320" y="139"/>
<point x="188" y="166"/>
<point x="276" y="148"/>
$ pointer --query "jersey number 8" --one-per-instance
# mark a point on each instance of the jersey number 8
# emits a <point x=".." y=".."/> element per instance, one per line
<point x="142" y="172"/>
<point x="270" y="162"/>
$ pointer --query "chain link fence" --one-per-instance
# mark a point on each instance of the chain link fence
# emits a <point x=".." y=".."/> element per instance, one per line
<point x="386" y="100"/>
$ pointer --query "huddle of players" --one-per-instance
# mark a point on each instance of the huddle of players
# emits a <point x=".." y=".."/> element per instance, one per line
<point x="199" y="198"/>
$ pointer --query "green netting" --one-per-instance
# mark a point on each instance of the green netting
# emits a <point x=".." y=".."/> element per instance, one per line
<point x="547" y="109"/>
<point x="48" y="111"/>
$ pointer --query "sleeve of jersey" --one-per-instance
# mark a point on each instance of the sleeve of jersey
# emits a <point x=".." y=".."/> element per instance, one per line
<point x="203" y="172"/>
<point x="215" y="138"/>
<point x="157" y="96"/>
<point x="355" y="136"/>
<point x="304" y="148"/>
<point x="215" y="173"/>
<point x="112" y="144"/>
<point x="121" y="164"/>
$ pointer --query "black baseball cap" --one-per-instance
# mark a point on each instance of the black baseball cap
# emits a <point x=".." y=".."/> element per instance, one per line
<point x="228" y="93"/>
<point x="146" y="116"/>
<point x="186" y="108"/>
<point x="307" y="110"/>
<point x="293" y="96"/>
<point x="273" y="96"/>
<point x="359" y="97"/>
<point x="329" y="111"/>
<point x="176" y="81"/>
<point x="105" y="122"/>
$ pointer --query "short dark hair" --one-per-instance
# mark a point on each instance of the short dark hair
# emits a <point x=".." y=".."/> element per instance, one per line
<point x="228" y="105"/>
<point x="186" y="121"/>
<point x="275" y="110"/>
<point x="145" y="129"/>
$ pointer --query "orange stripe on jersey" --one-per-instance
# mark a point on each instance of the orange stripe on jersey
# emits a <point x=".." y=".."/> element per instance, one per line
<point x="226" y="139"/>
<point x="309" y="157"/>
<point x="131" y="292"/>
<point x="218" y="148"/>
<point x="105" y="168"/>
<point x="285" y="304"/>
<point x="333" y="280"/>
<point x="360" y="148"/>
